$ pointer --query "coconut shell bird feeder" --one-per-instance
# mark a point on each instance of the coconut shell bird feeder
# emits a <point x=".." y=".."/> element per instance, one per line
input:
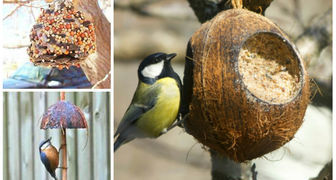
<point x="62" y="36"/>
<point x="63" y="115"/>
<point x="245" y="85"/>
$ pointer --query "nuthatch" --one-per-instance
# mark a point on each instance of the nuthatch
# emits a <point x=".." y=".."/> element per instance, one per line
<point x="49" y="156"/>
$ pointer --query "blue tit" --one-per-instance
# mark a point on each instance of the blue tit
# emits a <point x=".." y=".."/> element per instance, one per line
<point x="49" y="156"/>
<point x="156" y="102"/>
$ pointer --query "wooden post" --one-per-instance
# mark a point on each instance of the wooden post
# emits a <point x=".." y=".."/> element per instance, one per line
<point x="64" y="155"/>
<point x="63" y="146"/>
<point x="62" y="96"/>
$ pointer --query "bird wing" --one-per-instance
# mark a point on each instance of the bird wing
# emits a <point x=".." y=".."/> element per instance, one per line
<point x="46" y="163"/>
<point x="138" y="107"/>
<point x="179" y="84"/>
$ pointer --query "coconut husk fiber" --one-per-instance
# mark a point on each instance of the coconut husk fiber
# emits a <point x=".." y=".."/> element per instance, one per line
<point x="245" y="85"/>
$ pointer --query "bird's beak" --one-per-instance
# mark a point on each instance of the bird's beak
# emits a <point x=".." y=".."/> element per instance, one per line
<point x="170" y="56"/>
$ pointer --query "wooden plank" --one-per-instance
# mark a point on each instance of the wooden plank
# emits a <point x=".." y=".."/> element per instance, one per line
<point x="84" y="137"/>
<point x="40" y="106"/>
<point x="100" y="135"/>
<point x="71" y="143"/>
<point x="109" y="127"/>
<point x="25" y="123"/>
<point x="5" y="138"/>
<point x="13" y="137"/>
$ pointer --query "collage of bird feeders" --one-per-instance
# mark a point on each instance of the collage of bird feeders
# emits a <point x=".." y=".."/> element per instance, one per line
<point x="56" y="90"/>
<point x="167" y="89"/>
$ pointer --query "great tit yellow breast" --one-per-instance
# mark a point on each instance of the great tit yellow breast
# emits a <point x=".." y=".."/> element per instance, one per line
<point x="52" y="155"/>
<point x="165" y="110"/>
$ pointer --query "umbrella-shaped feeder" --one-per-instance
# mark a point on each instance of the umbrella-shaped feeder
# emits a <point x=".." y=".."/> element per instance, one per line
<point x="63" y="115"/>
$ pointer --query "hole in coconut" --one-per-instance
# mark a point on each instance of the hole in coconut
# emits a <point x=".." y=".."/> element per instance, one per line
<point x="270" y="68"/>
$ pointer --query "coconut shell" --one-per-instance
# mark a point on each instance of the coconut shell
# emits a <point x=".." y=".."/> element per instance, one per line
<point x="63" y="114"/>
<point x="245" y="86"/>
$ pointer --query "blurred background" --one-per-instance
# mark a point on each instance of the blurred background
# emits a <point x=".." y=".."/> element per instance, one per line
<point x="88" y="150"/>
<point x="143" y="27"/>
<point x="18" y="18"/>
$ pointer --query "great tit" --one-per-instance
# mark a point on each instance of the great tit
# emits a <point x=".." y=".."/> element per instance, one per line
<point x="49" y="156"/>
<point x="156" y="102"/>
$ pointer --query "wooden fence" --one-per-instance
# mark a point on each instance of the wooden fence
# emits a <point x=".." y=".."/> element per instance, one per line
<point x="88" y="150"/>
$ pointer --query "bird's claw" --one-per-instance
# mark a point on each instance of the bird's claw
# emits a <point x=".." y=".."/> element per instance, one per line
<point x="62" y="146"/>
<point x="178" y="123"/>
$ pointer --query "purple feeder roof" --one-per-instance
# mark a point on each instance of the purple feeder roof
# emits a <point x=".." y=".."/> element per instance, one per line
<point x="63" y="114"/>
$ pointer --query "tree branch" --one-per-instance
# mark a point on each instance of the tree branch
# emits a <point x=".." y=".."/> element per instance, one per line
<point x="311" y="43"/>
<point x="97" y="66"/>
<point x="317" y="36"/>
<point x="140" y="8"/>
<point x="15" y="46"/>
<point x="207" y="9"/>
<point x="325" y="173"/>
<point x="16" y="2"/>
<point x="223" y="168"/>
<point x="12" y="12"/>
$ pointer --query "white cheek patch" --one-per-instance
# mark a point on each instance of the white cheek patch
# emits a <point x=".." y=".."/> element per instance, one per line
<point x="152" y="70"/>
<point x="45" y="146"/>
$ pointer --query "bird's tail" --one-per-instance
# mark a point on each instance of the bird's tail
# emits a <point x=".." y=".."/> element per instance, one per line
<point x="54" y="175"/>
<point x="120" y="141"/>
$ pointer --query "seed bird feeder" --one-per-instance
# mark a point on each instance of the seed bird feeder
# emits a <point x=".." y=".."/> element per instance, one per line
<point x="62" y="36"/>
<point x="245" y="85"/>
<point x="63" y="115"/>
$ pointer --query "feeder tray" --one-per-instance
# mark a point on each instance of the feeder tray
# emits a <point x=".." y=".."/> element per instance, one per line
<point x="63" y="114"/>
<point x="61" y="36"/>
<point x="245" y="85"/>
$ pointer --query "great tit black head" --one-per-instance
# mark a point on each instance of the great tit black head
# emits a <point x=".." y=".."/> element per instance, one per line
<point x="156" y="66"/>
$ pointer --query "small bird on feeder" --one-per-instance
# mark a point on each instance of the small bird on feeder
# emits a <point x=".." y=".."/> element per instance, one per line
<point x="49" y="156"/>
<point x="156" y="102"/>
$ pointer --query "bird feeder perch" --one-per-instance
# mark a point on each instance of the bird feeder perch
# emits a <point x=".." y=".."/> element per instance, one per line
<point x="245" y="85"/>
<point x="63" y="115"/>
